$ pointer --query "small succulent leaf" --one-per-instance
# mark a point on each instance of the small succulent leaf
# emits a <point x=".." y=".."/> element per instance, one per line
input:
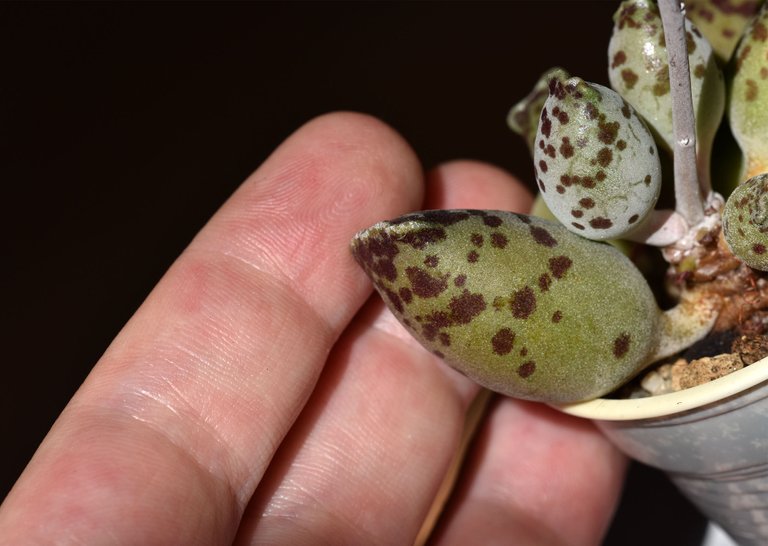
<point x="748" y="104"/>
<point x="721" y="23"/>
<point x="745" y="222"/>
<point x="596" y="163"/>
<point x="523" y="118"/>
<point x="519" y="304"/>
<point x="639" y="71"/>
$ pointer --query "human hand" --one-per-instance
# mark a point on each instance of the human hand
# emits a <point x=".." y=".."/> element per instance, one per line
<point x="256" y="397"/>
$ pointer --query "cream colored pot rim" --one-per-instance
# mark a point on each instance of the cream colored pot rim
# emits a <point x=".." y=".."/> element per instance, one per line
<point x="605" y="409"/>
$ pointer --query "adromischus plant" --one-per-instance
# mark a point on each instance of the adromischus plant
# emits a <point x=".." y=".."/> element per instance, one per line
<point x="533" y="308"/>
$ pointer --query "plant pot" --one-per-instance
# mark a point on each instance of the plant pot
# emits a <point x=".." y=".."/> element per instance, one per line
<point x="712" y="441"/>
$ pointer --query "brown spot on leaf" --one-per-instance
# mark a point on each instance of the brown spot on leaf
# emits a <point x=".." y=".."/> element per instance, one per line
<point x="543" y="166"/>
<point x="560" y="189"/>
<point x="621" y="345"/>
<point x="647" y="180"/>
<point x="625" y="110"/>
<point x="600" y="222"/>
<point x="577" y="225"/>
<point x="499" y="240"/>
<point x="542" y="236"/>
<point x="559" y="265"/>
<point x="566" y="149"/>
<point x="557" y="316"/>
<point x="477" y="239"/>
<point x="751" y="92"/>
<point x="604" y="157"/>
<point x="629" y="77"/>
<point x="621" y="145"/>
<point x="758" y="248"/>
<point x="473" y="256"/>
<point x="445" y="339"/>
<point x="419" y="238"/>
<point x="394" y="299"/>
<point x="576" y="213"/>
<point x="607" y="131"/>
<point x="523" y="303"/>
<point x="556" y="88"/>
<point x="587" y="202"/>
<point x="633" y="219"/>
<point x="446" y="217"/>
<point x="425" y="285"/>
<point x="503" y="341"/>
<point x="546" y="124"/>
<point x="661" y="88"/>
<point x="526" y="369"/>
<point x="619" y="58"/>
<point x="466" y="307"/>
<point x="460" y="280"/>
<point x="431" y="261"/>
<point x="406" y="295"/>
<point x="699" y="71"/>
<point x="544" y="282"/>
<point x="491" y="220"/>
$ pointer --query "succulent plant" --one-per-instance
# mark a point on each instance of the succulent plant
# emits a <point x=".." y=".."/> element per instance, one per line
<point x="544" y="310"/>
<point x="596" y="163"/>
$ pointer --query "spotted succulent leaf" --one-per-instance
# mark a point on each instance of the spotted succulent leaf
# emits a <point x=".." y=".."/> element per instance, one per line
<point x="745" y="222"/>
<point x="596" y="163"/>
<point x="721" y="23"/>
<point x="517" y="303"/>
<point x="639" y="71"/>
<point x="748" y="105"/>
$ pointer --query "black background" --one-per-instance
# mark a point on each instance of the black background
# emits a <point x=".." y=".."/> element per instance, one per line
<point x="124" y="126"/>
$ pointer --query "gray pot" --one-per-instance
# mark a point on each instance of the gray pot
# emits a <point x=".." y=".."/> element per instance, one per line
<point x="712" y="441"/>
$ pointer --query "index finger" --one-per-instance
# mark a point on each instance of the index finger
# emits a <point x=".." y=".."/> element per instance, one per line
<point x="172" y="430"/>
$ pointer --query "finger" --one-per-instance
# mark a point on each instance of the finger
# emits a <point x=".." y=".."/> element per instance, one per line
<point x="167" y="438"/>
<point x="372" y="446"/>
<point x="538" y="475"/>
<point x="476" y="185"/>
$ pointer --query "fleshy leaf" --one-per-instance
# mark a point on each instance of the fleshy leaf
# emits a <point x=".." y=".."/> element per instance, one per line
<point x="519" y="304"/>
<point x="748" y="105"/>
<point x="596" y="163"/>
<point x="745" y="222"/>
<point x="721" y="22"/>
<point x="523" y="118"/>
<point x="639" y="71"/>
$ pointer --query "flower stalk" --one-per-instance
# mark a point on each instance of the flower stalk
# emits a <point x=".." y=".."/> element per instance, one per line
<point x="688" y="193"/>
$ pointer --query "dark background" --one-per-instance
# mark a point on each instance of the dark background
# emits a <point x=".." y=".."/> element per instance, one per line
<point x="124" y="126"/>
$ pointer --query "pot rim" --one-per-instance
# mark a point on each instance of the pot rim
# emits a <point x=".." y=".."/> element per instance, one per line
<point x="605" y="409"/>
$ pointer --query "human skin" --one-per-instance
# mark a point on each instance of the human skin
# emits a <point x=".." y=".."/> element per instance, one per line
<point x="260" y="395"/>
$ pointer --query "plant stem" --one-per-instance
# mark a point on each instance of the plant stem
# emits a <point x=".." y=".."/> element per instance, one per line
<point x="688" y="198"/>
